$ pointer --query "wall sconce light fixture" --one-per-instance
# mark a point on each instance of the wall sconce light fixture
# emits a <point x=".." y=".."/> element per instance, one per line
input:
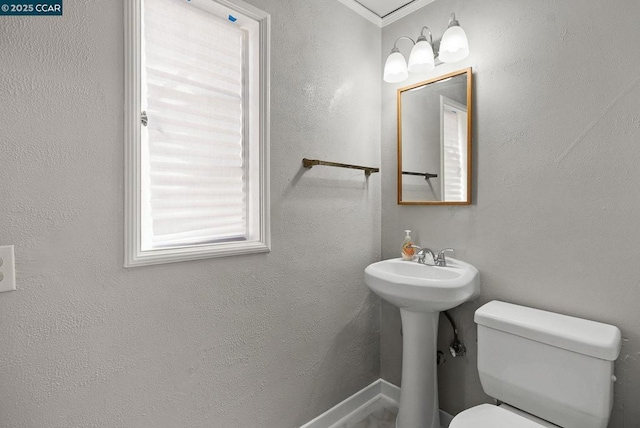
<point x="454" y="46"/>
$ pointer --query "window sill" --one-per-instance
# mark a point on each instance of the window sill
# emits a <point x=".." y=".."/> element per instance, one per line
<point x="174" y="255"/>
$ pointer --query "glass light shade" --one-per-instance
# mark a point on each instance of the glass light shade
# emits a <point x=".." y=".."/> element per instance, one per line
<point x="421" y="58"/>
<point x="454" y="46"/>
<point x="395" y="69"/>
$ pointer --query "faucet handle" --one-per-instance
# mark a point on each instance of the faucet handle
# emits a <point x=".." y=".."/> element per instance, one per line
<point x="441" y="260"/>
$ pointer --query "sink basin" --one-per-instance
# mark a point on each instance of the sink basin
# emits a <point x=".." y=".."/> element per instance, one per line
<point x="421" y="292"/>
<point x="418" y="287"/>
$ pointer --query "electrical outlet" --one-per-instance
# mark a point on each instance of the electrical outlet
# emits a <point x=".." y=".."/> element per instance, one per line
<point x="7" y="269"/>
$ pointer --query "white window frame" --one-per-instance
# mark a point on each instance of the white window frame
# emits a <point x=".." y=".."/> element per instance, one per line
<point x="134" y="255"/>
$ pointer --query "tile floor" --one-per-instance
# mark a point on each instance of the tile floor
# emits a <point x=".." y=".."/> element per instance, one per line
<point x="379" y="414"/>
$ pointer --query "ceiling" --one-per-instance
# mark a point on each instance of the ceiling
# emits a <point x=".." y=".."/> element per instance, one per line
<point x="383" y="8"/>
<point x="384" y="12"/>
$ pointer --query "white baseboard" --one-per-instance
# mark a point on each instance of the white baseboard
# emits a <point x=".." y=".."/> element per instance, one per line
<point x="377" y="390"/>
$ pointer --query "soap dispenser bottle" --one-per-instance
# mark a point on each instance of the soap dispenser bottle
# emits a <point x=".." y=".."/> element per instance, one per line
<point x="407" y="246"/>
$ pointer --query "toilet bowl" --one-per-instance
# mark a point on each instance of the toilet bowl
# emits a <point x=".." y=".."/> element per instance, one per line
<point x="547" y="369"/>
<point x="503" y="416"/>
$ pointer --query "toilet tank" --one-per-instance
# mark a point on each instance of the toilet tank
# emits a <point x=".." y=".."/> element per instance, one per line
<point x="556" y="367"/>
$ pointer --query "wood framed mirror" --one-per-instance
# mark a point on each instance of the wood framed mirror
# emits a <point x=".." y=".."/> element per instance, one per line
<point x="434" y="141"/>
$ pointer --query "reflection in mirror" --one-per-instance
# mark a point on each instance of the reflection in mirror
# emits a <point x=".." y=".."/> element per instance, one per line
<point x="434" y="141"/>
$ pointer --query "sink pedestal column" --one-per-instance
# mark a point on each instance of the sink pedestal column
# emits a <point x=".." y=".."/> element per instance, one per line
<point x="419" y="389"/>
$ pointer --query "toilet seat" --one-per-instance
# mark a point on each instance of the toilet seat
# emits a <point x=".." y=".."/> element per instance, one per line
<point x="490" y="416"/>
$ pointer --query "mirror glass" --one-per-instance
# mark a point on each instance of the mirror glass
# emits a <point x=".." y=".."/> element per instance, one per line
<point x="434" y="141"/>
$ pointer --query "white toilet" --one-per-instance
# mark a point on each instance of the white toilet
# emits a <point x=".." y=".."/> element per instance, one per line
<point x="547" y="369"/>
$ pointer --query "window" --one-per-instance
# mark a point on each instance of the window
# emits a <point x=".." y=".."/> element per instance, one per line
<point x="453" y="141"/>
<point x="197" y="129"/>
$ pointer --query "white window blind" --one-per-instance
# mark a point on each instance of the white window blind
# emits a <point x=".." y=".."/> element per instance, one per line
<point x="197" y="171"/>
<point x="194" y="183"/>
<point x="454" y="154"/>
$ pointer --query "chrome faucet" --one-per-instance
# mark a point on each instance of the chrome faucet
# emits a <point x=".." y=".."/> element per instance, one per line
<point x="427" y="257"/>
<point x="422" y="256"/>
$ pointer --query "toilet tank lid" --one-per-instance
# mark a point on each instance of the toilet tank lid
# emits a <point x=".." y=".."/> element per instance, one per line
<point x="586" y="337"/>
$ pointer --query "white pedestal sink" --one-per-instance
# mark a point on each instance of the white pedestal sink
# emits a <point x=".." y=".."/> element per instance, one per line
<point x="421" y="292"/>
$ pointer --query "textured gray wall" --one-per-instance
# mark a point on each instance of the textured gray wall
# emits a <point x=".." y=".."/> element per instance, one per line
<point x="554" y="224"/>
<point x="256" y="341"/>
